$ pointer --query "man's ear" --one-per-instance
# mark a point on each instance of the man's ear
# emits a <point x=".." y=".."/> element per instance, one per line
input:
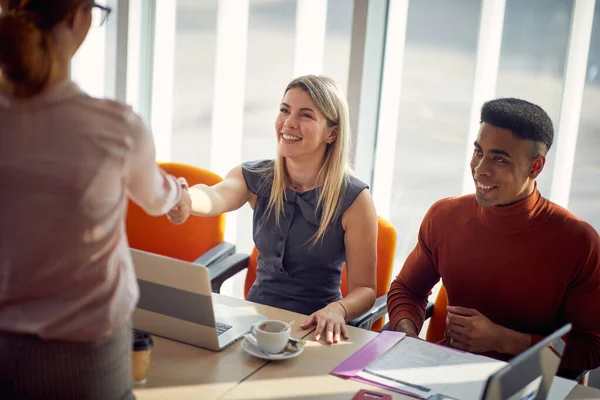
<point x="332" y="135"/>
<point x="537" y="166"/>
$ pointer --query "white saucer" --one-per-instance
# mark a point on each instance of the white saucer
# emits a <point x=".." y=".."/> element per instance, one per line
<point x="251" y="349"/>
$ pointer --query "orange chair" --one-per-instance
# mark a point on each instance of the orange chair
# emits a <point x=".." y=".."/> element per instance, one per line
<point x="196" y="240"/>
<point x="386" y="248"/>
<point x="437" y="322"/>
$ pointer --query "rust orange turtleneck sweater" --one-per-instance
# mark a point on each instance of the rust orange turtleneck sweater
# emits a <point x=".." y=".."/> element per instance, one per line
<point x="530" y="266"/>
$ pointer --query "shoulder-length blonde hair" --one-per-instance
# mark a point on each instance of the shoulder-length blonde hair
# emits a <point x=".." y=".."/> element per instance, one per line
<point x="333" y="175"/>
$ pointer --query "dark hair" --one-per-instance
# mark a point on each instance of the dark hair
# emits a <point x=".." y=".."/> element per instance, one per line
<point x="26" y="50"/>
<point x="526" y="120"/>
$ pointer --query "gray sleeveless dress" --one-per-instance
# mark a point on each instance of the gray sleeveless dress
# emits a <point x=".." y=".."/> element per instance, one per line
<point x="292" y="273"/>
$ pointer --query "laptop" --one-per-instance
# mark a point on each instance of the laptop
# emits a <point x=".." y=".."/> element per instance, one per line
<point x="529" y="375"/>
<point x="176" y="303"/>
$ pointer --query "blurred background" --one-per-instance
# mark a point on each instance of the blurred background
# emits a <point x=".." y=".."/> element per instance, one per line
<point x="208" y="76"/>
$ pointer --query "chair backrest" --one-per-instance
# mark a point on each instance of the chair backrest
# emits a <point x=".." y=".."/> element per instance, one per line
<point x="251" y="273"/>
<point x="187" y="241"/>
<point x="386" y="249"/>
<point x="437" y="323"/>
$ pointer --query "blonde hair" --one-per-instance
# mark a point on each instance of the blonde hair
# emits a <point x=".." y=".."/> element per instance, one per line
<point x="333" y="175"/>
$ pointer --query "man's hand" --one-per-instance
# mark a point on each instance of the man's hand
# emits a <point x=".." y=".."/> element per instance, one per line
<point x="180" y="213"/>
<point x="469" y="330"/>
<point x="407" y="326"/>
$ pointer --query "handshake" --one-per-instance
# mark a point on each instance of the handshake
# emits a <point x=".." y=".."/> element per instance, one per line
<point x="180" y="213"/>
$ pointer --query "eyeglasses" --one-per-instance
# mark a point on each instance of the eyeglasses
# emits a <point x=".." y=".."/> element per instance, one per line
<point x="100" y="14"/>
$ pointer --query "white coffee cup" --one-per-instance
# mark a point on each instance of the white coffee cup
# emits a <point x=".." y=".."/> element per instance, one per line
<point x="271" y="335"/>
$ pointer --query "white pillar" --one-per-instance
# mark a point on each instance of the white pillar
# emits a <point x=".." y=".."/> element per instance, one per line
<point x="369" y="22"/>
<point x="311" y="20"/>
<point x="491" y="24"/>
<point x="570" y="110"/>
<point x="134" y="59"/>
<point x="389" y="107"/>
<point x="163" y="78"/>
<point x="229" y="93"/>
<point x="117" y="50"/>
<point x="88" y="67"/>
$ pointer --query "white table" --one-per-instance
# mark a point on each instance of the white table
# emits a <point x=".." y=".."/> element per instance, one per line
<point x="179" y="371"/>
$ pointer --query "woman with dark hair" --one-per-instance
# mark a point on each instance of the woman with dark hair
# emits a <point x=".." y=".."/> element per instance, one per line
<point x="68" y="163"/>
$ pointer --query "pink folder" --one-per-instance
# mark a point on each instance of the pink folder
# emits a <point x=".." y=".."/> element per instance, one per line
<point x="351" y="366"/>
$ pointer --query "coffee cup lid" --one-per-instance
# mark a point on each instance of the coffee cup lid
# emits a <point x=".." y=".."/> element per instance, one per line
<point x="141" y="340"/>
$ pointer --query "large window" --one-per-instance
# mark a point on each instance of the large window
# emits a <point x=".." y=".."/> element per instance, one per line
<point x="435" y="105"/>
<point x="274" y="60"/>
<point x="585" y="189"/>
<point x="232" y="62"/>
<point x="208" y="76"/>
<point x="458" y="55"/>
<point x="89" y="64"/>
<point x="535" y="41"/>
<point x="194" y="70"/>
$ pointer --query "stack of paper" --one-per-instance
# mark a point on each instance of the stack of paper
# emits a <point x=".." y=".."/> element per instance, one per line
<point x="423" y="369"/>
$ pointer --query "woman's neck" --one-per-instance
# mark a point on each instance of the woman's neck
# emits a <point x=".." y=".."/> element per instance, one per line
<point x="61" y="70"/>
<point x="60" y="74"/>
<point x="302" y="174"/>
<point x="4" y="85"/>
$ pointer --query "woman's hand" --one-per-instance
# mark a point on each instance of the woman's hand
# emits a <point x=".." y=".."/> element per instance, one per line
<point x="180" y="213"/>
<point x="330" y="321"/>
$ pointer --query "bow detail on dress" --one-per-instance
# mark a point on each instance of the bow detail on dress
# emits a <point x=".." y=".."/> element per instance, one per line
<point x="307" y="202"/>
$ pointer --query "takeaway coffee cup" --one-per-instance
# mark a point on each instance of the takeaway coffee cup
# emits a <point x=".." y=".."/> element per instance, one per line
<point x="140" y="356"/>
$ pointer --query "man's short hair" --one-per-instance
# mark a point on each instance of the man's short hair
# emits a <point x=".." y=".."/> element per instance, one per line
<point x="525" y="120"/>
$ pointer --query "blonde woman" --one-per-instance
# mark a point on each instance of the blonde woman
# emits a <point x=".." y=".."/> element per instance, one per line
<point x="310" y="214"/>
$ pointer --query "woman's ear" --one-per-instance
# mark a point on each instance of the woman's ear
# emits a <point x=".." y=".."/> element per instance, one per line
<point x="73" y="17"/>
<point x="79" y="16"/>
<point x="332" y="135"/>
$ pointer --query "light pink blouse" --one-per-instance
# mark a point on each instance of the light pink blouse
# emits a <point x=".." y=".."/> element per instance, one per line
<point x="68" y="162"/>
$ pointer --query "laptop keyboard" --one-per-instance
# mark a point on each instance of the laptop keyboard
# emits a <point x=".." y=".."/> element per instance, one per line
<point x="221" y="328"/>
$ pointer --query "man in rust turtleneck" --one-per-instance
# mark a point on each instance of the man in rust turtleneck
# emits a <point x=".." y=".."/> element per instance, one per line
<point x="515" y="266"/>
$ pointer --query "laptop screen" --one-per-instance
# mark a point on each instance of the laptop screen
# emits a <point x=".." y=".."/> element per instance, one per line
<point x="529" y="375"/>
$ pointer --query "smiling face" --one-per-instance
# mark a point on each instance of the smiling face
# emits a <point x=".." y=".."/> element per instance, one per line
<point x="503" y="166"/>
<point x="302" y="130"/>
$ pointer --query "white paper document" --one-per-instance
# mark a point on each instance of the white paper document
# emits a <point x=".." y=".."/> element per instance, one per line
<point x="424" y="369"/>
